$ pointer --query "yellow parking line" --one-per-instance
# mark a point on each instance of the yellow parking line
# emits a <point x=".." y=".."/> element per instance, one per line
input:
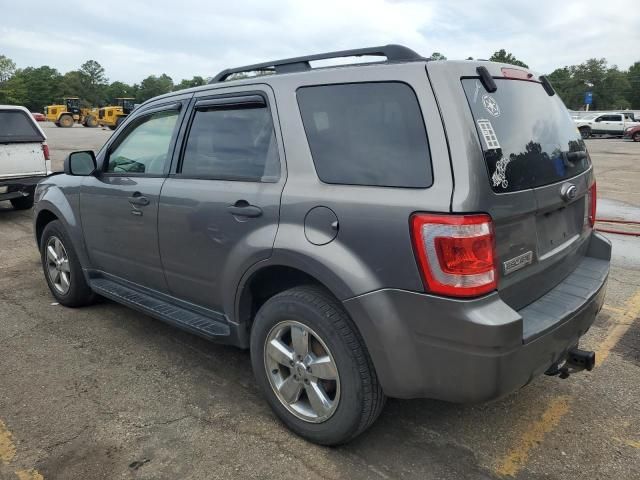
<point x="631" y="443"/>
<point x="612" y="309"/>
<point x="618" y="328"/>
<point x="29" y="475"/>
<point x="515" y="459"/>
<point x="518" y="456"/>
<point x="8" y="453"/>
<point x="7" y="448"/>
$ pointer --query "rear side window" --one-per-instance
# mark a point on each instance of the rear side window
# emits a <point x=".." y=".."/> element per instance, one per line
<point x="17" y="126"/>
<point x="528" y="137"/>
<point x="232" y="144"/>
<point x="366" y="134"/>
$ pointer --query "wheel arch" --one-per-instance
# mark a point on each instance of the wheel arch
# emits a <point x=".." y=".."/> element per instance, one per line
<point x="265" y="280"/>
<point x="43" y="218"/>
<point x="52" y="205"/>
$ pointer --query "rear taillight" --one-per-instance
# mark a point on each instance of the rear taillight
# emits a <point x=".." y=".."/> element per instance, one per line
<point x="455" y="253"/>
<point x="593" y="201"/>
<point x="45" y="151"/>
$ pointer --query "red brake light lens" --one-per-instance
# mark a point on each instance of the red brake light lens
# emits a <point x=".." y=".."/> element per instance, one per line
<point x="516" y="73"/>
<point x="45" y="151"/>
<point x="456" y="253"/>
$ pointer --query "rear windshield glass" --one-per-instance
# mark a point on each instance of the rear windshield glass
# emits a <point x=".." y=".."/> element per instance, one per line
<point x="526" y="135"/>
<point x="16" y="126"/>
<point x="366" y="134"/>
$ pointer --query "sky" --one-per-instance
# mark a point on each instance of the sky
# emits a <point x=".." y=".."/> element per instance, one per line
<point x="182" y="38"/>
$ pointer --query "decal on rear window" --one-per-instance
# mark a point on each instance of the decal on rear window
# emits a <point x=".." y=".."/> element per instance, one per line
<point x="475" y="94"/>
<point x="490" y="105"/>
<point x="488" y="134"/>
<point x="499" y="177"/>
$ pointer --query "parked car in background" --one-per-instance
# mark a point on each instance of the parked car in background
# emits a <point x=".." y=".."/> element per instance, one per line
<point x="24" y="156"/>
<point x="354" y="270"/>
<point x="39" y="117"/>
<point x="614" y="124"/>
<point x="633" y="133"/>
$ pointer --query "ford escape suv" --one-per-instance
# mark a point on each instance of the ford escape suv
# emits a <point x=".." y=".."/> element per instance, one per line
<point x="400" y="228"/>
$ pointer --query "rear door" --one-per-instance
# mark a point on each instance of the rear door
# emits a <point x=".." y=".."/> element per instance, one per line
<point x="21" y="140"/>
<point x="219" y="209"/>
<point x="527" y="166"/>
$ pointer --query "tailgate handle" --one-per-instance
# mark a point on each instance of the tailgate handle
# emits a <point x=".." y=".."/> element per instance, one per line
<point x="575" y="156"/>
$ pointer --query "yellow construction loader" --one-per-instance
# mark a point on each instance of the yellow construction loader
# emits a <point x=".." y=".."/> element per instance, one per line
<point x="68" y="112"/>
<point x="113" y="115"/>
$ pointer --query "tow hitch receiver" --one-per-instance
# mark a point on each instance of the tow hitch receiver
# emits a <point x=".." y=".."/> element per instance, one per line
<point x="575" y="361"/>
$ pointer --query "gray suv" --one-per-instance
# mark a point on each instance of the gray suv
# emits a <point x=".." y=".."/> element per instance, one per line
<point x="401" y="228"/>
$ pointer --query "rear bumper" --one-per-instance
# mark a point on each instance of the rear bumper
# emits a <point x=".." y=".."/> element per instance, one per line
<point x="480" y="349"/>
<point x="19" y="187"/>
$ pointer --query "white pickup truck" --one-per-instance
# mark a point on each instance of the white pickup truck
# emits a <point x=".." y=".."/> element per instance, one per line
<point x="24" y="156"/>
<point x="606" y="124"/>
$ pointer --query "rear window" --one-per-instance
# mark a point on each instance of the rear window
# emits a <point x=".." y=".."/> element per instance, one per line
<point x="525" y="135"/>
<point x="17" y="126"/>
<point x="366" y="134"/>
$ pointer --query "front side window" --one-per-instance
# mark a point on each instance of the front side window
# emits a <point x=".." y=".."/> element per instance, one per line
<point x="366" y="134"/>
<point x="232" y="144"/>
<point x="145" y="148"/>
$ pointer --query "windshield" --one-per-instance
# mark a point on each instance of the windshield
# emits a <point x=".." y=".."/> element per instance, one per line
<point x="525" y="134"/>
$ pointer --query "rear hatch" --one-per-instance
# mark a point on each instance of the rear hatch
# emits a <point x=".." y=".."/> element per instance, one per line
<point x="21" y="145"/>
<point x="523" y="162"/>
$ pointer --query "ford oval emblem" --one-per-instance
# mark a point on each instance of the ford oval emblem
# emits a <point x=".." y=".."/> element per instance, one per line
<point x="568" y="192"/>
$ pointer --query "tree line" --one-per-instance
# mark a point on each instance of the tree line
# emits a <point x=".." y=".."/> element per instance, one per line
<point x="35" y="87"/>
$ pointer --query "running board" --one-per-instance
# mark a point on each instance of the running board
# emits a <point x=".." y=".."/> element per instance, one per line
<point x="178" y="316"/>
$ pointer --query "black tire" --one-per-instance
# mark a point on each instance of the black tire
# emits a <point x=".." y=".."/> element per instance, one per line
<point x="361" y="398"/>
<point x="585" y="132"/>
<point x="120" y="120"/>
<point x="22" y="203"/>
<point x="636" y="137"/>
<point x="91" y="121"/>
<point x="112" y="127"/>
<point x="79" y="293"/>
<point x="66" y="121"/>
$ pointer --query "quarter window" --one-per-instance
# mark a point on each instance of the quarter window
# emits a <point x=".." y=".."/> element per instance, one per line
<point x="366" y="134"/>
<point x="145" y="148"/>
<point x="232" y="143"/>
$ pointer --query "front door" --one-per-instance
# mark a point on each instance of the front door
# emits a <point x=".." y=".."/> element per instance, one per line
<point x="119" y="206"/>
<point x="219" y="212"/>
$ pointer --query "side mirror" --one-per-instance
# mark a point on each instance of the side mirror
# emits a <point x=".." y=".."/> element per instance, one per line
<point x="80" y="163"/>
<point x="598" y="119"/>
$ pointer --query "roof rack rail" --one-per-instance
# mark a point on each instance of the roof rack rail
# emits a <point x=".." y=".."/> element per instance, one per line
<point x="300" y="64"/>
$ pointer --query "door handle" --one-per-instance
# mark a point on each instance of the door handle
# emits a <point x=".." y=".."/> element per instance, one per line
<point x="242" y="208"/>
<point x="138" y="199"/>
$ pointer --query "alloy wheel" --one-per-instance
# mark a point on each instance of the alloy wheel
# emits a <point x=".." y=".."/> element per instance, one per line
<point x="302" y="371"/>
<point x="58" y="268"/>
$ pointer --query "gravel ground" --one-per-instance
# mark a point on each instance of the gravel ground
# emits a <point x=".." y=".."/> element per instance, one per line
<point x="105" y="392"/>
